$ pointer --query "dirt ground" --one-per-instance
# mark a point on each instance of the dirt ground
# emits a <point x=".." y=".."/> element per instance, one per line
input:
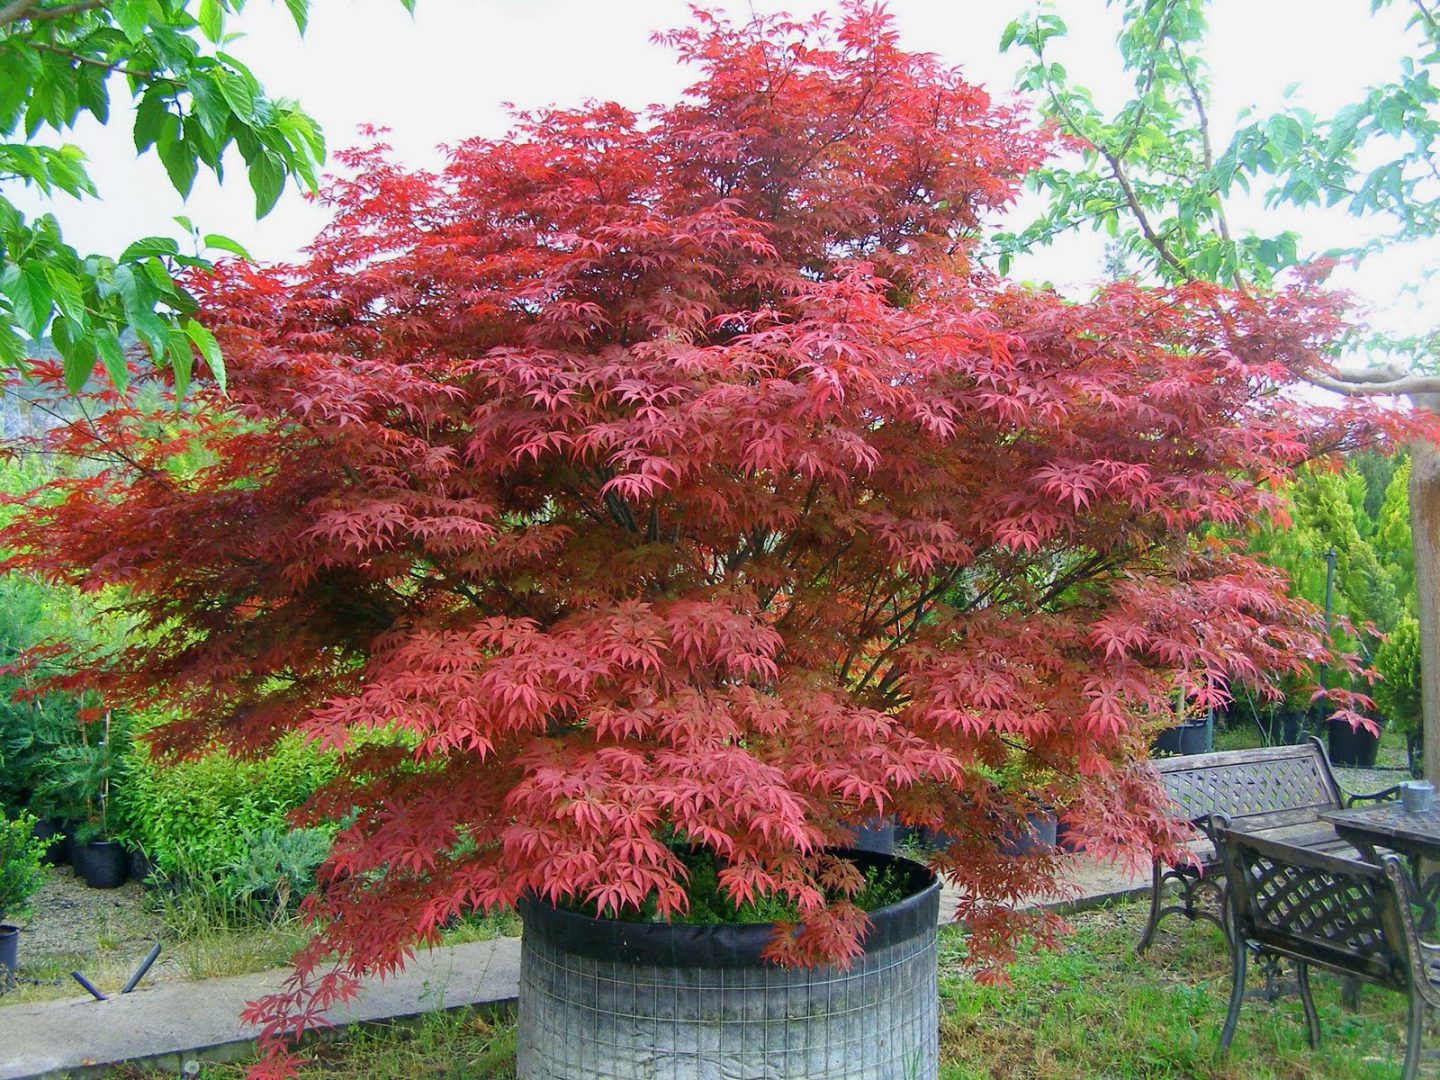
<point x="99" y="932"/>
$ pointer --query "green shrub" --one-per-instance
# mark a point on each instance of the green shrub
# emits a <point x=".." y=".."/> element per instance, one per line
<point x="1398" y="662"/>
<point x="31" y="727"/>
<point x="41" y="736"/>
<point x="201" y="817"/>
<point x="278" y="868"/>
<point x="21" y="873"/>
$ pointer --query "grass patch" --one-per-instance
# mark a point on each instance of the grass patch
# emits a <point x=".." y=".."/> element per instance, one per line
<point x="1240" y="737"/>
<point x="1092" y="1008"/>
<point x="215" y="953"/>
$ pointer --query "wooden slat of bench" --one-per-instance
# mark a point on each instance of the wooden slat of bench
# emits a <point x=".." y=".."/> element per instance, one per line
<point x="1314" y="834"/>
<point x="1280" y="819"/>
<point x="1281" y="784"/>
<point x="1225" y="758"/>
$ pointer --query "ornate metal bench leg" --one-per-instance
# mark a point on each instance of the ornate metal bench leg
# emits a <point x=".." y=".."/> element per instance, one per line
<point x="1413" y="1037"/>
<point x="1237" y="994"/>
<point x="1429" y="901"/>
<point x="1156" y="886"/>
<point x="1312" y="1021"/>
<point x="1350" y="993"/>
<point x="1226" y="923"/>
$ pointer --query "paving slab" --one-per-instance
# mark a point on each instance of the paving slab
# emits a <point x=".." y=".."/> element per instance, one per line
<point x="1091" y="884"/>
<point x="171" y="1023"/>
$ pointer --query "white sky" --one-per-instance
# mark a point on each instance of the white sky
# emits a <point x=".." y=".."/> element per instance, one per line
<point x="443" y="76"/>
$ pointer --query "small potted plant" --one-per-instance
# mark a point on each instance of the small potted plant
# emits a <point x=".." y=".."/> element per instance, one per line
<point x="21" y="875"/>
<point x="1397" y="694"/>
<point x="1037" y="831"/>
<point x="1352" y="745"/>
<point x="79" y="778"/>
<point x="1191" y="732"/>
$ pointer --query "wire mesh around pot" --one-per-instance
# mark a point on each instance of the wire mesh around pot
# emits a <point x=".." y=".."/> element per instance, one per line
<point x="625" y="1001"/>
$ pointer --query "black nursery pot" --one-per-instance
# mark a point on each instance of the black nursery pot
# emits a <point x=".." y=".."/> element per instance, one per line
<point x="1037" y="836"/>
<point x="139" y="865"/>
<point x="1282" y="727"/>
<point x="9" y="952"/>
<point x="874" y="834"/>
<point x="1191" y="738"/>
<point x="52" y="831"/>
<point x="1350" y="746"/>
<point x="102" y="863"/>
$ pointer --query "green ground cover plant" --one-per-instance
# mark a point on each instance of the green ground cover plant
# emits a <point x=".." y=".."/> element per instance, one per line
<point x="21" y="874"/>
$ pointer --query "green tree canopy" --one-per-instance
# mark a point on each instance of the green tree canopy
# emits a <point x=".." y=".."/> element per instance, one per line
<point x="1152" y="174"/>
<point x="194" y="102"/>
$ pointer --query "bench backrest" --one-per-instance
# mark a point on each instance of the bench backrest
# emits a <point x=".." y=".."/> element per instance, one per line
<point x="1342" y="914"/>
<point x="1271" y="781"/>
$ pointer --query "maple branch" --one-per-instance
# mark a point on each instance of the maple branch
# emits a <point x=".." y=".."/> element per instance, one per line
<point x="1382" y="383"/>
<point x="111" y="447"/>
<point x="1089" y="567"/>
<point x="615" y="506"/>
<point x="901" y="637"/>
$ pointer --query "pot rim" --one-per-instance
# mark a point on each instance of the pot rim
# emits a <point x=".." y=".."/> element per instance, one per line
<point x="725" y="945"/>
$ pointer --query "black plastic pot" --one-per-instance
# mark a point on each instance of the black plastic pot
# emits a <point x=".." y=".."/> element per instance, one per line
<point x="102" y="863"/>
<point x="604" y="999"/>
<point x="874" y="834"/>
<point x="139" y="865"/>
<point x="9" y="951"/>
<point x="1353" y="747"/>
<point x="53" y="832"/>
<point x="1191" y="738"/>
<point x="1282" y="727"/>
<point x="1066" y="838"/>
<point x="1038" y="837"/>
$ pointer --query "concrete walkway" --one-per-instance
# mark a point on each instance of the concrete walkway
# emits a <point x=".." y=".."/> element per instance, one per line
<point x="1092" y="884"/>
<point x="174" y="1022"/>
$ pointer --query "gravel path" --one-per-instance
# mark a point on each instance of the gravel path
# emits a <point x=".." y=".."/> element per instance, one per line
<point x="103" y="933"/>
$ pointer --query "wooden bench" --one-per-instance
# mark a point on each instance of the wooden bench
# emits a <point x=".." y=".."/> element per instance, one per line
<point x="1322" y="910"/>
<point x="1276" y="792"/>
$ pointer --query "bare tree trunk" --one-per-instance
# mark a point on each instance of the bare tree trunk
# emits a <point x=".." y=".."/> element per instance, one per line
<point x="1425" y="535"/>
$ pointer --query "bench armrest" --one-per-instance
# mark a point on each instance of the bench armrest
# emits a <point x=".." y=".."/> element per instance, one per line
<point x="1205" y="823"/>
<point x="1386" y="795"/>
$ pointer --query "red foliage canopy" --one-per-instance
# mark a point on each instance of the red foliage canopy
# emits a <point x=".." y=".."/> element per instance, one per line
<point x="637" y="476"/>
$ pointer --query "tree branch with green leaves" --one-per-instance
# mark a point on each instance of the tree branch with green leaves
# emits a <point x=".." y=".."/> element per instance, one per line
<point x="194" y="102"/>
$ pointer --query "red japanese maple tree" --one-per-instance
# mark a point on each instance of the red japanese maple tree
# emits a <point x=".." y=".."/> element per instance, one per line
<point x="683" y="475"/>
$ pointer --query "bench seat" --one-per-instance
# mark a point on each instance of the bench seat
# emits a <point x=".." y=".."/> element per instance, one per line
<point x="1275" y="792"/>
